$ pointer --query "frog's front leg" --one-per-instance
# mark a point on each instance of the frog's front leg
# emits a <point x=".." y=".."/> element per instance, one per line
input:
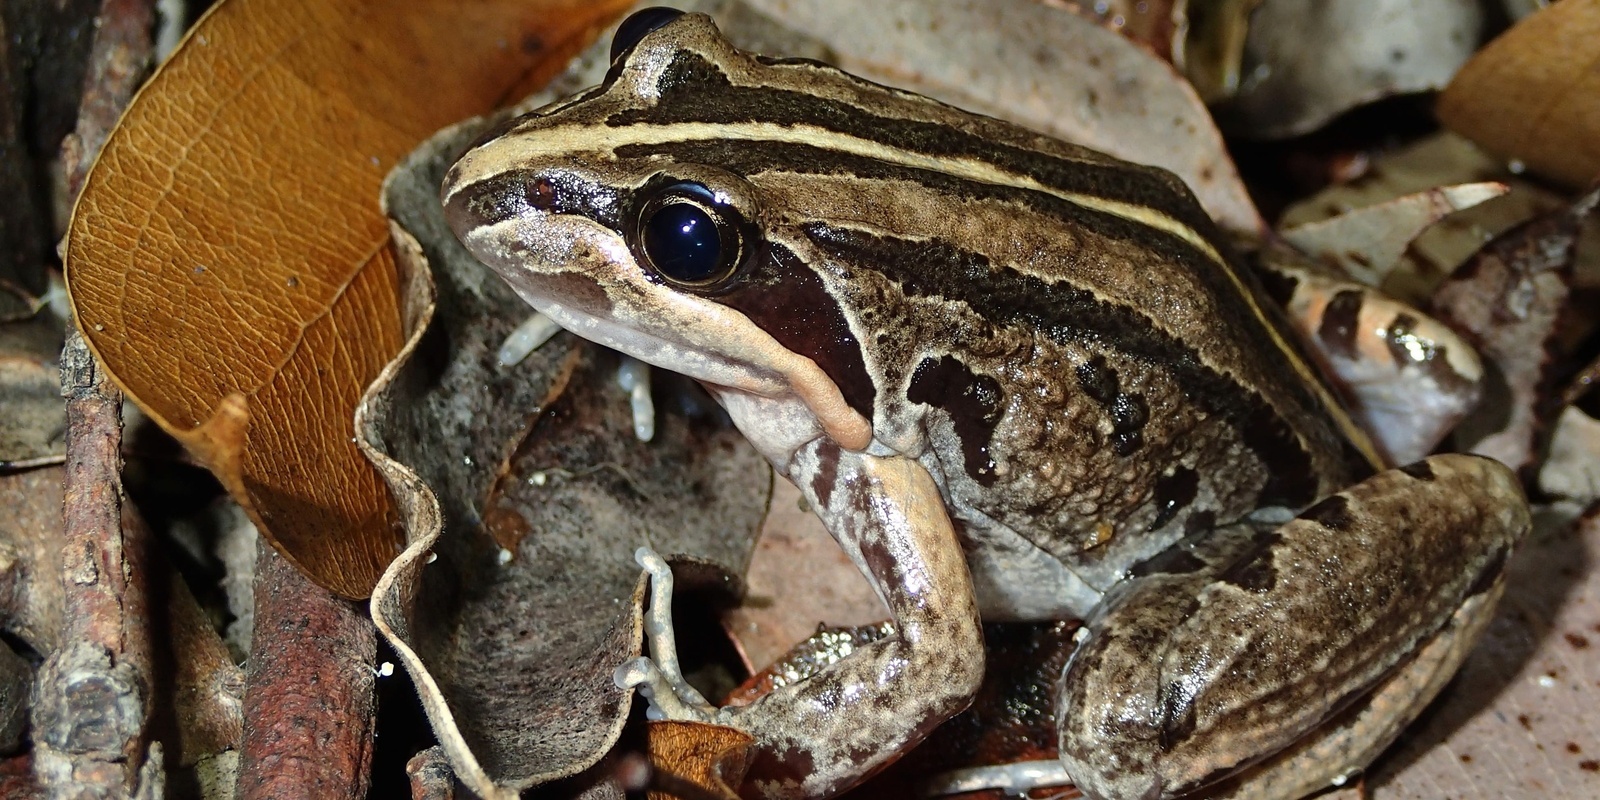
<point x="821" y="735"/>
<point x="1224" y="651"/>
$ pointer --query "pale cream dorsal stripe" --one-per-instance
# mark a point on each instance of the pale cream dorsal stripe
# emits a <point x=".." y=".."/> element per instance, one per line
<point x="554" y="144"/>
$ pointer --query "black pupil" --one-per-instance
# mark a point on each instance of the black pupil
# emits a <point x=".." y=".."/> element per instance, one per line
<point x="683" y="242"/>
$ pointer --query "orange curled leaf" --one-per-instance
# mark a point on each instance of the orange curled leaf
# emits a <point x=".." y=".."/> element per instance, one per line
<point x="227" y="260"/>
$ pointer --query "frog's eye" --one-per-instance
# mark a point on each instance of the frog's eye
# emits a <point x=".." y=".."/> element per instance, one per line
<point x="638" y="24"/>
<point x="686" y="236"/>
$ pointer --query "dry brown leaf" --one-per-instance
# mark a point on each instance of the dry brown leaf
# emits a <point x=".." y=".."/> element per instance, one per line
<point x="1530" y="94"/>
<point x="228" y="262"/>
<point x="709" y="758"/>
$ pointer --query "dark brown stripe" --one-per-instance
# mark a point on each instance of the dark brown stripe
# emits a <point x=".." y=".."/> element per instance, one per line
<point x="1174" y="493"/>
<point x="1175" y="560"/>
<point x="1069" y="315"/>
<point x="827" y="475"/>
<point x="1253" y="571"/>
<point x="1340" y="319"/>
<point x="695" y="90"/>
<point x="785" y="298"/>
<point x="974" y="403"/>
<point x="1332" y="513"/>
<point x="1279" y="285"/>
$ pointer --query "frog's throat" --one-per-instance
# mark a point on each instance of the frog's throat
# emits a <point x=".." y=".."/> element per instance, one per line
<point x="782" y="371"/>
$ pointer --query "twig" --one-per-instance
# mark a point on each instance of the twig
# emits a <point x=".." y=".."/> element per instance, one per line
<point x="431" y="777"/>
<point x="118" y="63"/>
<point x="91" y="698"/>
<point x="308" y="703"/>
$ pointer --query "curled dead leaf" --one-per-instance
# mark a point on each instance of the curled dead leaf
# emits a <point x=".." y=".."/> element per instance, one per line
<point x="1509" y="299"/>
<point x="227" y="260"/>
<point x="525" y="494"/>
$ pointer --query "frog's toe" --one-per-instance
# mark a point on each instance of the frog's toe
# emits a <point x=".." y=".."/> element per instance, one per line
<point x="658" y="677"/>
<point x="526" y="338"/>
<point x="1013" y="780"/>
<point x="634" y="377"/>
<point x="660" y="692"/>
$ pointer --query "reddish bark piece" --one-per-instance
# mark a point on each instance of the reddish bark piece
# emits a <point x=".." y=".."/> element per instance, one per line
<point x="91" y="694"/>
<point x="431" y="778"/>
<point x="308" y="705"/>
<point x="16" y="778"/>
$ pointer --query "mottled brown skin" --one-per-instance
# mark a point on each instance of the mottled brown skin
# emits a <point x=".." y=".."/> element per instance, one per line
<point x="1167" y="638"/>
<point x="1005" y="371"/>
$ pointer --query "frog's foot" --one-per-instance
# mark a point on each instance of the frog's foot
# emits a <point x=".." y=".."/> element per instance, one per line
<point x="1012" y="780"/>
<point x="1336" y="752"/>
<point x="659" y="677"/>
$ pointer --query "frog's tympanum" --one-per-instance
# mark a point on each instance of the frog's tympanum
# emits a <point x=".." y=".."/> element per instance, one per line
<point x="1016" y="378"/>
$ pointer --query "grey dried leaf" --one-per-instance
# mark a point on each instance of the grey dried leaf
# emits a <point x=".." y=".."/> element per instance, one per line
<point x="1443" y="159"/>
<point x="1509" y="299"/>
<point x="1307" y="61"/>
<point x="524" y="494"/>
<point x="33" y="427"/>
<point x="1572" y="469"/>
<point x="1366" y="243"/>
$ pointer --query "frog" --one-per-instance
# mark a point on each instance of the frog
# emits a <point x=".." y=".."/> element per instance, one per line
<point x="1017" y="379"/>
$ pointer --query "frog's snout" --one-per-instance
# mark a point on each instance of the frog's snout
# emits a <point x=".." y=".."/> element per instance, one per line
<point x="495" y="199"/>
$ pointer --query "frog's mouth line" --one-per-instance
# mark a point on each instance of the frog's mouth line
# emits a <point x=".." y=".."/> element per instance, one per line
<point x="581" y="274"/>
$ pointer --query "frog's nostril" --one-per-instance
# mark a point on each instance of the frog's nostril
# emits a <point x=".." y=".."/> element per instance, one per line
<point x="540" y="193"/>
<point x="497" y="199"/>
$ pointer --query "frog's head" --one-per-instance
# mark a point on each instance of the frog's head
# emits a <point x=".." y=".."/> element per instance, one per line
<point x="601" y="212"/>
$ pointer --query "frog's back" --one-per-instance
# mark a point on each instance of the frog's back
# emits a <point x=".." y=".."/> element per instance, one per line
<point x="1054" y="332"/>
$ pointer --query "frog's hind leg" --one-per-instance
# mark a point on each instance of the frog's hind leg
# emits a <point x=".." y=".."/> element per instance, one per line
<point x="1233" y="647"/>
<point x="1330" y="755"/>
